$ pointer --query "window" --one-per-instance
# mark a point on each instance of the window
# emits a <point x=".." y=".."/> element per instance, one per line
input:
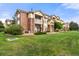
<point x="37" y="17"/>
<point x="18" y="15"/>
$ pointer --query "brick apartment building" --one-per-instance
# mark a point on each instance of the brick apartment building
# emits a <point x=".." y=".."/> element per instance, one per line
<point x="36" y="21"/>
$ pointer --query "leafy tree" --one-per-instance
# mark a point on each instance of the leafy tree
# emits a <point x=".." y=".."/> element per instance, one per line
<point x="73" y="26"/>
<point x="58" y="25"/>
<point x="14" y="20"/>
<point x="1" y="27"/>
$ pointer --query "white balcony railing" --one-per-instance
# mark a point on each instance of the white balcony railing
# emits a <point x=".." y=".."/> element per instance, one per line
<point x="38" y="21"/>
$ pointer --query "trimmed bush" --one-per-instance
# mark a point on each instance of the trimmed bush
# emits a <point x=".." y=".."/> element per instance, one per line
<point x="13" y="29"/>
<point x="40" y="33"/>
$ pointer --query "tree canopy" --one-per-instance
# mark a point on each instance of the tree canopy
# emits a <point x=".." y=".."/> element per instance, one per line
<point x="73" y="26"/>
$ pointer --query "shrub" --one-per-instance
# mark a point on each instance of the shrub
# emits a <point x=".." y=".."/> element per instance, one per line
<point x="56" y="30"/>
<point x="40" y="33"/>
<point x="13" y="29"/>
<point x="73" y="26"/>
<point x="1" y="27"/>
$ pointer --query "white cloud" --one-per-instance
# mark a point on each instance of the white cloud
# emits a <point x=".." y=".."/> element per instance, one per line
<point x="75" y="19"/>
<point x="5" y="15"/>
<point x="3" y="20"/>
<point x="74" y="6"/>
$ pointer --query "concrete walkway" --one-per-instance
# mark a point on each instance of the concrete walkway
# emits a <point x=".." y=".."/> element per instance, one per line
<point x="27" y="34"/>
<point x="52" y="32"/>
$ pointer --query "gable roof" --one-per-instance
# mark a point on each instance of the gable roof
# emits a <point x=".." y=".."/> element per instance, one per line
<point x="38" y="12"/>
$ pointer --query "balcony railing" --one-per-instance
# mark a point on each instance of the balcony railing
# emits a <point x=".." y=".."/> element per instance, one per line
<point x="38" y="21"/>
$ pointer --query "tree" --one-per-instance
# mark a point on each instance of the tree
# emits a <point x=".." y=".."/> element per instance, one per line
<point x="1" y="27"/>
<point x="58" y="25"/>
<point x="14" y="20"/>
<point x="73" y="26"/>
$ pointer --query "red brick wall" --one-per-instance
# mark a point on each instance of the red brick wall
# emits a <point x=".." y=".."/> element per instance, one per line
<point x="24" y="21"/>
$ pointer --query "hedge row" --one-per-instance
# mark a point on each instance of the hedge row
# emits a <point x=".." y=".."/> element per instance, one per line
<point x="39" y="33"/>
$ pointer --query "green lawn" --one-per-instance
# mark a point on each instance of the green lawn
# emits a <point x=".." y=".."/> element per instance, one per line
<point x="66" y="43"/>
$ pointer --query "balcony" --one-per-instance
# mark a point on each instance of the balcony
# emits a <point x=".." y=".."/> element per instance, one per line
<point x="38" y="21"/>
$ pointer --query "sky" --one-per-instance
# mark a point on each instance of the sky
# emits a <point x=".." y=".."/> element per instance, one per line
<point x="66" y="11"/>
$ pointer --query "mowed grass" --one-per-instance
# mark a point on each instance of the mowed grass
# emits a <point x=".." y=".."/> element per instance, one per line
<point x="59" y="44"/>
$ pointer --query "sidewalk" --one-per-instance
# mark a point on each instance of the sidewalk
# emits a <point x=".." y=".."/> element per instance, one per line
<point x="52" y="32"/>
<point x="28" y="34"/>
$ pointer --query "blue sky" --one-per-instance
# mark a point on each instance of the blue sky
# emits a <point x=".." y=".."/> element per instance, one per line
<point x="67" y="12"/>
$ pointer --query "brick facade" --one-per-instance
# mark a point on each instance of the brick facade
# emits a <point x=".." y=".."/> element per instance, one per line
<point x="32" y="22"/>
<point x="24" y="21"/>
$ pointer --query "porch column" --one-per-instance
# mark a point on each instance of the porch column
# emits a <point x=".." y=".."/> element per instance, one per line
<point x="50" y="28"/>
<point x="42" y="22"/>
<point x="32" y="25"/>
<point x="41" y="27"/>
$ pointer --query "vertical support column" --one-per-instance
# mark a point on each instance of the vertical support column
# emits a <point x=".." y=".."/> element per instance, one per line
<point x="53" y="27"/>
<point x="32" y="25"/>
<point x="42" y="24"/>
<point x="41" y="27"/>
<point x="50" y="27"/>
